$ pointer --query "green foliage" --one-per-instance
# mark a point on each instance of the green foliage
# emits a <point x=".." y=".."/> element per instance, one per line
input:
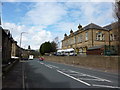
<point x="48" y="47"/>
<point x="45" y="48"/>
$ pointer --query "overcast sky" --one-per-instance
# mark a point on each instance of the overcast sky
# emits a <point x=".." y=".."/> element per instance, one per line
<point x="43" y="21"/>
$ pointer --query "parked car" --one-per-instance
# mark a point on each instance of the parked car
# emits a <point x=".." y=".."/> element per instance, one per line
<point x="41" y="58"/>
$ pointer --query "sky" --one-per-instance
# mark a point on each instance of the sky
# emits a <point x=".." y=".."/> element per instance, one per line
<point x="44" y="21"/>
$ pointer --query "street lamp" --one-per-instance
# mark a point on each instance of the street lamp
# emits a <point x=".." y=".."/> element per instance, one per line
<point x="21" y="37"/>
<point x="20" y="43"/>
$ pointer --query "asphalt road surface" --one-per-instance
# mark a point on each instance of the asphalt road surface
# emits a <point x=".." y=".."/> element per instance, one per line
<point x="45" y="74"/>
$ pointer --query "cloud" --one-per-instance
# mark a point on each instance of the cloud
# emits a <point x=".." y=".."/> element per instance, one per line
<point x="91" y="12"/>
<point x="40" y="37"/>
<point x="65" y="26"/>
<point x="57" y="0"/>
<point x="34" y="36"/>
<point x="44" y="21"/>
<point x="44" y="14"/>
<point x="84" y="13"/>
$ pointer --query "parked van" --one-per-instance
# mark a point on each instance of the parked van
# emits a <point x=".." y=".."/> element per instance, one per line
<point x="31" y="57"/>
<point x="60" y="53"/>
<point x="66" y="52"/>
<point x="70" y="52"/>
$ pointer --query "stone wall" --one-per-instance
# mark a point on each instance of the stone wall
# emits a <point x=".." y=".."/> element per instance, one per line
<point x="105" y="63"/>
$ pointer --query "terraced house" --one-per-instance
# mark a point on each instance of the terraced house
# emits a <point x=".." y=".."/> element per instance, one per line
<point x="93" y="39"/>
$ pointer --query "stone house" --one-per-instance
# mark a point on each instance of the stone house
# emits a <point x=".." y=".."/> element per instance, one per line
<point x="89" y="37"/>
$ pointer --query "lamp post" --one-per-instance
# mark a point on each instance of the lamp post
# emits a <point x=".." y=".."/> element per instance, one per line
<point x="21" y="37"/>
<point x="21" y="42"/>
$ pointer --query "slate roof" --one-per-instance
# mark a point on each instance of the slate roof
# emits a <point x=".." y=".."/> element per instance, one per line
<point x="75" y="33"/>
<point x="110" y="26"/>
<point x="93" y="26"/>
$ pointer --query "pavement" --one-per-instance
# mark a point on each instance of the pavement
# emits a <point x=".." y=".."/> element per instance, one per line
<point x="13" y="79"/>
<point x="45" y="74"/>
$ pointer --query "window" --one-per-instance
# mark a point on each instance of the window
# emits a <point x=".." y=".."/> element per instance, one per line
<point x="86" y="35"/>
<point x="100" y="36"/>
<point x="111" y="37"/>
<point x="103" y="37"/>
<point x="115" y="37"/>
<point x="96" y="36"/>
<point x="70" y="41"/>
<point x="80" y="38"/>
<point x="74" y="40"/>
<point x="66" y="43"/>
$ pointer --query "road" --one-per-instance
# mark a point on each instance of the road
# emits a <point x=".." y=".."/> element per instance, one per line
<point x="45" y="74"/>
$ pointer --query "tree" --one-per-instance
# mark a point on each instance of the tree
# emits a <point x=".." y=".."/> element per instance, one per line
<point x="29" y="47"/>
<point x="117" y="10"/>
<point x="48" y="47"/>
<point x="40" y="50"/>
<point x="117" y="17"/>
<point x="56" y="40"/>
<point x="45" y="48"/>
<point x="54" y="46"/>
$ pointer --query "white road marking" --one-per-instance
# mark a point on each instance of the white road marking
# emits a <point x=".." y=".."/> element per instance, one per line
<point x="105" y="86"/>
<point x="74" y="78"/>
<point x="53" y="66"/>
<point x="73" y="71"/>
<point x="41" y="63"/>
<point x="99" y="78"/>
<point x="82" y="74"/>
<point x="75" y="74"/>
<point x="90" y="79"/>
<point x="48" y="66"/>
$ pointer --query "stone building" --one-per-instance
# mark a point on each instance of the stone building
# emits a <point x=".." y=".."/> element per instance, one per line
<point x="114" y="37"/>
<point x="15" y="49"/>
<point x="0" y="39"/>
<point x="9" y="48"/>
<point x="6" y="45"/>
<point x="90" y="37"/>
